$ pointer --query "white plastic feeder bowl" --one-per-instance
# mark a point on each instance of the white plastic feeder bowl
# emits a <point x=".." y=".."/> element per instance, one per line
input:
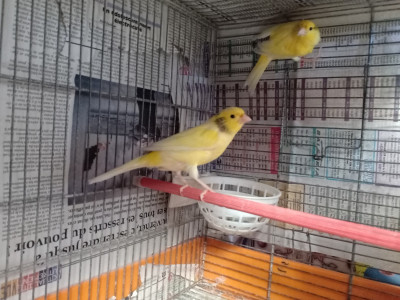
<point x="233" y="221"/>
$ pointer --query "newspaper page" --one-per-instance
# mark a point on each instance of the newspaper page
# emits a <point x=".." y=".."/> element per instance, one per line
<point x="86" y="85"/>
<point x="311" y="141"/>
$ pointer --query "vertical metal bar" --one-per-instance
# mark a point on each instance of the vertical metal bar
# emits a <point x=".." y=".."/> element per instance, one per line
<point x="97" y="141"/>
<point x="65" y="141"/>
<point x="211" y="39"/>
<point x="141" y="122"/>
<point x="124" y="152"/>
<point x="204" y="79"/>
<point x="317" y="199"/>
<point x="170" y="106"/>
<point x="152" y="95"/>
<point x="76" y="137"/>
<point x="202" y="227"/>
<point x="215" y="69"/>
<point x="363" y="125"/>
<point x="109" y="253"/>
<point x="271" y="261"/>
<point x="180" y="73"/>
<point x="205" y="83"/>
<point x="197" y="72"/>
<point x="164" y="244"/>
<point x="28" y="107"/>
<point x="79" y="101"/>
<point x="185" y="76"/>
<point x="140" y="126"/>
<point x="180" y="107"/>
<point x="230" y="57"/>
<point x="196" y="76"/>
<point x="265" y="91"/>
<point x="87" y="147"/>
<point x="55" y="104"/>
<point x="64" y="189"/>
<point x="11" y="146"/>
<point x="286" y="91"/>
<point x="1" y="33"/>
<point x="210" y="77"/>
<point x="198" y="63"/>
<point x="118" y="249"/>
<point x="132" y="151"/>
<point x="193" y="66"/>
<point x="40" y="134"/>
<point x="148" y="134"/>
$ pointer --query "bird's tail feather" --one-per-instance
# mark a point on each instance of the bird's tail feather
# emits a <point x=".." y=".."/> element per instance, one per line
<point x="257" y="72"/>
<point x="140" y="162"/>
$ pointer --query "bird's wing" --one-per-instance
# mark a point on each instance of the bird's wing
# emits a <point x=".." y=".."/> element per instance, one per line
<point x="263" y="40"/>
<point x="203" y="137"/>
<point x="281" y="43"/>
<point x="266" y="32"/>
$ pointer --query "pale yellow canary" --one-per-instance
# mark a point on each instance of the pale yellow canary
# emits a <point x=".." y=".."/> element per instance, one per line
<point x="184" y="151"/>
<point x="285" y="41"/>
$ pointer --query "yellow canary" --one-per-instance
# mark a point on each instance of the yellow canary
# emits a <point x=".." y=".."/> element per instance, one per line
<point x="188" y="149"/>
<point x="285" y="41"/>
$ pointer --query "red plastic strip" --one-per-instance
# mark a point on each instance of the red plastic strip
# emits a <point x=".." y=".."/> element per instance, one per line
<point x="364" y="233"/>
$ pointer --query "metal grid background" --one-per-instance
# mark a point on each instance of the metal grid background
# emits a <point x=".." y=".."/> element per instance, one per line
<point x="72" y="79"/>
<point x="225" y="13"/>
<point x="327" y="135"/>
<point x="58" y="96"/>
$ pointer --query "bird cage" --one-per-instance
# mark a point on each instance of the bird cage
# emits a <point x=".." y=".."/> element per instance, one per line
<point x="87" y="85"/>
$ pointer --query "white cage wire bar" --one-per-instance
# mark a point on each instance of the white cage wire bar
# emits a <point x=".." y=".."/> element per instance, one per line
<point x="86" y="85"/>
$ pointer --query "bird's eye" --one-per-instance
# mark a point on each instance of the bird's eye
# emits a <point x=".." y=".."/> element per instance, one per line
<point x="310" y="28"/>
<point x="232" y="116"/>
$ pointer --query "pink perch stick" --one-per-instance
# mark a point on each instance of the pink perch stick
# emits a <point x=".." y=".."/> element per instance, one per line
<point x="364" y="233"/>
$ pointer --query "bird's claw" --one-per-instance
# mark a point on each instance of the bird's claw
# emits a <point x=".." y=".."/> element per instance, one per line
<point x="182" y="188"/>
<point x="203" y="194"/>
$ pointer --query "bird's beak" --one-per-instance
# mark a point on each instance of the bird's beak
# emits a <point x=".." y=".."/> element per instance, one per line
<point x="302" y="31"/>
<point x="244" y="119"/>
